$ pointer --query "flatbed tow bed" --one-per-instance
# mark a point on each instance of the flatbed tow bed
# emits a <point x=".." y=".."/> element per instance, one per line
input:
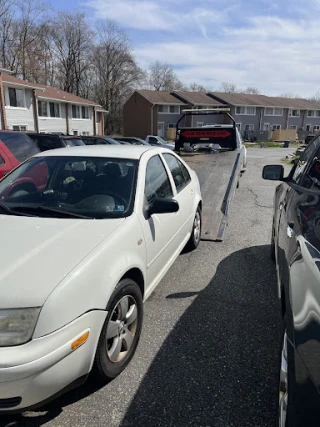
<point x="218" y="172"/>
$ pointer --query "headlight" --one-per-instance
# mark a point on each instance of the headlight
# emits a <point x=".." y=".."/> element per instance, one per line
<point x="17" y="325"/>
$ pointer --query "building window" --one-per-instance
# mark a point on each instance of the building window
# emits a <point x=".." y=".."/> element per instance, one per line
<point x="248" y="111"/>
<point x="316" y="128"/>
<point x="266" y="126"/>
<point x="312" y="113"/>
<point x="75" y="132"/>
<point x="42" y="108"/>
<point x="249" y="128"/>
<point x="171" y="109"/>
<point x="293" y="127"/>
<point x="308" y="128"/>
<point x="276" y="127"/>
<point x="85" y="133"/>
<point x="16" y="97"/>
<point x="20" y="128"/>
<point x="85" y="112"/>
<point x="294" y="113"/>
<point x="270" y="111"/>
<point x="171" y="125"/>
<point x="54" y="109"/>
<point x="75" y="111"/>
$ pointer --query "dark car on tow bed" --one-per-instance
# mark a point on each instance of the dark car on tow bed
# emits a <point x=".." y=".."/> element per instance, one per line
<point x="295" y="247"/>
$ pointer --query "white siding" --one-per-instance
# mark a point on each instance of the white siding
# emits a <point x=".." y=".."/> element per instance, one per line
<point x="81" y="125"/>
<point x="54" y="124"/>
<point x="20" y="116"/>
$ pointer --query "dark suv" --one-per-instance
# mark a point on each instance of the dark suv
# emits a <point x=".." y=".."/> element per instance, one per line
<point x="295" y="247"/>
<point x="48" y="141"/>
<point x="99" y="140"/>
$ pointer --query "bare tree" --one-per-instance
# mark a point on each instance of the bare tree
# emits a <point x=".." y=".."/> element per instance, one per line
<point x="195" y="87"/>
<point x="289" y="95"/>
<point x="116" y="72"/>
<point x="228" y="87"/>
<point x="251" y="90"/>
<point x="72" y="46"/>
<point x="162" y="77"/>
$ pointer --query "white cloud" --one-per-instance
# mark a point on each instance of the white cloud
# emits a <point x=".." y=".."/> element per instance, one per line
<point x="271" y="46"/>
<point x="138" y="14"/>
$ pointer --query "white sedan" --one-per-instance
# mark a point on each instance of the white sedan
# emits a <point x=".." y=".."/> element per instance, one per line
<point x="87" y="234"/>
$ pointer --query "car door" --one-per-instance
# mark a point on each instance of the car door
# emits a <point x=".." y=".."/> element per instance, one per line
<point x="299" y="238"/>
<point x="161" y="231"/>
<point x="184" y="194"/>
<point x="289" y="223"/>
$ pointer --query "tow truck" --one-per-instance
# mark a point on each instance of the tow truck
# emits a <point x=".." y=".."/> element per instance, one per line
<point x="217" y="154"/>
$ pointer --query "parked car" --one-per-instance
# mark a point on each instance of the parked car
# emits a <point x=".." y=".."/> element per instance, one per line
<point x="84" y="248"/>
<point x="15" y="147"/>
<point x="50" y="141"/>
<point x="159" y="142"/>
<point x="295" y="247"/>
<point x="99" y="140"/>
<point x="131" y="140"/>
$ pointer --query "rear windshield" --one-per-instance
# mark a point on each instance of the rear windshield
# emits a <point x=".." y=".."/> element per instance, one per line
<point x="72" y="142"/>
<point x="19" y="144"/>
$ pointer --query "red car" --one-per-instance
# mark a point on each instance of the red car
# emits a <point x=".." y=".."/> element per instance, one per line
<point x="15" y="148"/>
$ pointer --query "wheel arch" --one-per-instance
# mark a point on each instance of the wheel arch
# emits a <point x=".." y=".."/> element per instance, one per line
<point x="136" y="275"/>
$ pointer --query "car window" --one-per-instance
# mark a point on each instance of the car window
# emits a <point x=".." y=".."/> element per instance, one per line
<point x="45" y="143"/>
<point x="304" y="161"/>
<point x="311" y="178"/>
<point x="19" y="144"/>
<point x="101" y="187"/>
<point x="153" y="139"/>
<point x="2" y="162"/>
<point x="157" y="183"/>
<point x="181" y="178"/>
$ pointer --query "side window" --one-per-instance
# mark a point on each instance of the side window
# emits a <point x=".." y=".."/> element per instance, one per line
<point x="304" y="161"/>
<point x="157" y="182"/>
<point x="180" y="174"/>
<point x="311" y="178"/>
<point x="2" y="162"/>
<point x="153" y="139"/>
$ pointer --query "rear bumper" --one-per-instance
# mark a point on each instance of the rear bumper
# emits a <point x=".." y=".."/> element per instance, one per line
<point x="34" y="372"/>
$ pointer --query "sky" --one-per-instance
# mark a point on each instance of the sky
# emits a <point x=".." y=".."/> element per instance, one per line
<point x="269" y="44"/>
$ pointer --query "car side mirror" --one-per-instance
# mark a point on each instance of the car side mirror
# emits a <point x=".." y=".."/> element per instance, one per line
<point x="160" y="206"/>
<point x="273" y="172"/>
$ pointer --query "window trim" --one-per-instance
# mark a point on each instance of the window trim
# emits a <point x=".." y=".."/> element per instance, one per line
<point x="293" y="109"/>
<point x="43" y="102"/>
<point x="19" y="126"/>
<point x="280" y="127"/>
<point x="249" y="130"/>
<point x="266" y="124"/>
<point x="166" y="108"/>
<point x="273" y="112"/>
<point x="245" y="110"/>
<point x="7" y="99"/>
<point x="293" y="127"/>
<point x="55" y="117"/>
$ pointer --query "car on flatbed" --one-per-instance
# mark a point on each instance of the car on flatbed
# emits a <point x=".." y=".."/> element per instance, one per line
<point x="159" y="142"/>
<point x="84" y="248"/>
<point x="295" y="248"/>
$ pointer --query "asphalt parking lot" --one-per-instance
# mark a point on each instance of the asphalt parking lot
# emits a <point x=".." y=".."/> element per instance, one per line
<point x="208" y="351"/>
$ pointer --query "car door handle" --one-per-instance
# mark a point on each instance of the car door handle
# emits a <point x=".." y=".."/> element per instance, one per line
<point x="290" y="231"/>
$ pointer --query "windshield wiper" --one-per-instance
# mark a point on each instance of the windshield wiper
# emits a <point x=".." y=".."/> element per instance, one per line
<point x="59" y="212"/>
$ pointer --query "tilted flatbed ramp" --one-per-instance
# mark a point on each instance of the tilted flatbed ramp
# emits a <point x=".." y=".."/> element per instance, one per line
<point x="218" y="174"/>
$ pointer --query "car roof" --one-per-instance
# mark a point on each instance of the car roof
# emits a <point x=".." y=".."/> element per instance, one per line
<point x="116" y="151"/>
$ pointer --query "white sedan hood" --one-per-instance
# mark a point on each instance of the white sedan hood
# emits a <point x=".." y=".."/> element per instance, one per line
<point x="37" y="253"/>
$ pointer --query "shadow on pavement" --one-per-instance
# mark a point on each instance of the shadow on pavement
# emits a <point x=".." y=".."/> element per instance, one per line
<point x="217" y="367"/>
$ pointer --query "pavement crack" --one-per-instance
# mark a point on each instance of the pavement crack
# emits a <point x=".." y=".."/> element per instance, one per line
<point x="255" y="201"/>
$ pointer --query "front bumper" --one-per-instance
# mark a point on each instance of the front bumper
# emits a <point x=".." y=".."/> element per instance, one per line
<point x="33" y="372"/>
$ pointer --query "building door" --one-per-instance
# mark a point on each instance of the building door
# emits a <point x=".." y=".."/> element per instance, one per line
<point x="161" y="129"/>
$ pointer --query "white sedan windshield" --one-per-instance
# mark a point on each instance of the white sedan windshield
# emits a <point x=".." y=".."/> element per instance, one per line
<point x="64" y="186"/>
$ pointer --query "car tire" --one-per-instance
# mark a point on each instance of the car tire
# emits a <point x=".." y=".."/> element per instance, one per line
<point x="121" y="331"/>
<point x="195" y="237"/>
